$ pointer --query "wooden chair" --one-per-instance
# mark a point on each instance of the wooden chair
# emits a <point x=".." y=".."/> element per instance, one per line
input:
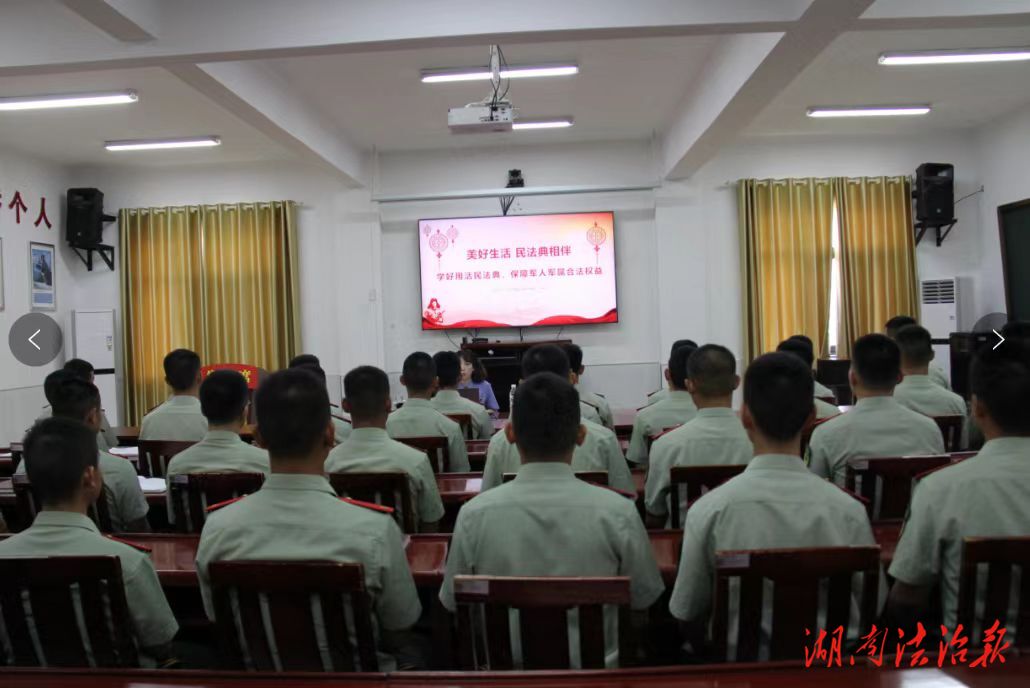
<point x="192" y="493"/>
<point x="885" y="483"/>
<point x="465" y="421"/>
<point x="796" y="575"/>
<point x="27" y="506"/>
<point x="435" y="447"/>
<point x="264" y="617"/>
<point x="154" y="456"/>
<point x="51" y="586"/>
<point x="650" y="439"/>
<point x="595" y="477"/>
<point x="951" y="430"/>
<point x="388" y="489"/>
<point x="695" y="480"/>
<point x="485" y="603"/>
<point x="1000" y="556"/>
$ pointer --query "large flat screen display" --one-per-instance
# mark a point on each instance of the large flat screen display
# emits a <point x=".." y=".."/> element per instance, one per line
<point x="518" y="271"/>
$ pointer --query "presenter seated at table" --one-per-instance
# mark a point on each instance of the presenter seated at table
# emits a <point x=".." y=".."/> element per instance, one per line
<point x="599" y="450"/>
<point x="369" y="449"/>
<point x="675" y="409"/>
<point x="75" y="399"/>
<point x="341" y="428"/>
<point x="224" y="401"/>
<point x="296" y="515"/>
<point x="473" y="376"/>
<point x="663" y="393"/>
<point x="546" y="522"/>
<point x="800" y="346"/>
<point x="418" y="418"/>
<point x="775" y="503"/>
<point x="596" y="407"/>
<point x="447" y="400"/>
<point x="178" y="419"/>
<point x="61" y="454"/>
<point x="106" y="438"/>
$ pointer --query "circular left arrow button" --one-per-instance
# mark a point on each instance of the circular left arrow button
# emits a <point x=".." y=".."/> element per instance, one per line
<point x="35" y="339"/>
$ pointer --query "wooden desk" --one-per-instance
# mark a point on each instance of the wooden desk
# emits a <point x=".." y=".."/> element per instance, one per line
<point x="623" y="419"/>
<point x="7" y="499"/>
<point x="128" y="435"/>
<point x="887" y="535"/>
<point x="458" y="488"/>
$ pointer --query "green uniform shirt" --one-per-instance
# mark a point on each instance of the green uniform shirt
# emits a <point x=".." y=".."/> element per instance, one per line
<point x="63" y="533"/>
<point x="676" y="409"/>
<point x="714" y="437"/>
<point x="921" y="394"/>
<point x="775" y="503"/>
<point x="876" y="426"/>
<point x="177" y="420"/>
<point x="598" y="401"/>
<point x="418" y="418"/>
<point x="341" y="428"/>
<point x="824" y="410"/>
<point x="449" y="401"/>
<point x="656" y="396"/>
<point x="299" y="517"/>
<point x="548" y="523"/>
<point x="106" y="438"/>
<point x="822" y="391"/>
<point x="987" y="495"/>
<point x="370" y="450"/>
<point x="599" y="452"/>
<point x="938" y="376"/>
<point x="220" y="451"/>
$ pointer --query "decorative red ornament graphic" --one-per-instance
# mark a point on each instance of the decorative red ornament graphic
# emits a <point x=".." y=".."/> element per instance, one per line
<point x="596" y="236"/>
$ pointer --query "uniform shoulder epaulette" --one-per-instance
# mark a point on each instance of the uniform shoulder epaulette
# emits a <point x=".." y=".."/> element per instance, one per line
<point x="666" y="431"/>
<point x="134" y="545"/>
<point x="368" y="505"/>
<point x="657" y="391"/>
<point x="853" y="495"/>
<point x="219" y="505"/>
<point x="590" y="404"/>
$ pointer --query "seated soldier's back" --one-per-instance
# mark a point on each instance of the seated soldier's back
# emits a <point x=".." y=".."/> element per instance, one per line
<point x="219" y="452"/>
<point x="176" y="420"/>
<point x="418" y="418"/>
<point x="922" y="395"/>
<point x="449" y="401"/>
<point x="675" y="409"/>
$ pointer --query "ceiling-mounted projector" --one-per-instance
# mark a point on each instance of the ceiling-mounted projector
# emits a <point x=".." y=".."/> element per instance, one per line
<point x="481" y="118"/>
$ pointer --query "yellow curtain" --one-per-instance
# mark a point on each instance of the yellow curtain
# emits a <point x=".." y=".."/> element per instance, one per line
<point x="218" y="279"/>
<point x="785" y="238"/>
<point x="878" y="255"/>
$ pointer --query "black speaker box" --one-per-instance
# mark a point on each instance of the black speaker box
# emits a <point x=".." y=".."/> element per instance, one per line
<point x="964" y="346"/>
<point x="84" y="217"/>
<point x="935" y="192"/>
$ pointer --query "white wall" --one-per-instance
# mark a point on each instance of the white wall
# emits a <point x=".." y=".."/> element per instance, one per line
<point x="21" y="387"/>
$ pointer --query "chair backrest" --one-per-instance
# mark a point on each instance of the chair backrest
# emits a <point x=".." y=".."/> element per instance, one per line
<point x="886" y="482"/>
<point x="796" y="576"/>
<point x="695" y="481"/>
<point x="27" y="505"/>
<point x="595" y="477"/>
<point x="951" y="429"/>
<point x="484" y="606"/>
<point x="62" y="593"/>
<point x="193" y="493"/>
<point x="1000" y="556"/>
<point x="265" y="618"/>
<point x="435" y="447"/>
<point x="388" y="489"/>
<point x="465" y="421"/>
<point x="154" y="456"/>
<point x="650" y="439"/>
<point x="17" y="453"/>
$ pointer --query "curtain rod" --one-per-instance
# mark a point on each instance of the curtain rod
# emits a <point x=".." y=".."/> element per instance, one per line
<point x="524" y="191"/>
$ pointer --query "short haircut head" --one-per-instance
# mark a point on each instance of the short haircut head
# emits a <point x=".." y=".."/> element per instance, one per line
<point x="803" y="338"/>
<point x="57" y="451"/>
<point x="546" y="358"/>
<point x="367" y="390"/>
<point x="713" y="370"/>
<point x="1000" y="381"/>
<point x="678" y="365"/>
<point x="681" y="342"/>
<point x="575" y="354"/>
<point x="304" y="359"/>
<point x="223" y="396"/>
<point x="419" y="371"/>
<point x="546" y="417"/>
<point x="876" y="360"/>
<point x="799" y="348"/>
<point x="778" y="391"/>
<point x="897" y="322"/>
<point x="292" y="412"/>
<point x="52" y="384"/>
<point x="80" y="368"/>
<point x="915" y="345"/>
<point x="312" y="368"/>
<point x="181" y="369"/>
<point x="75" y="398"/>
<point x="448" y="368"/>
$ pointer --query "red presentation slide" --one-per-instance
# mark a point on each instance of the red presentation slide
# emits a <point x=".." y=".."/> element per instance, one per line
<point x="518" y="271"/>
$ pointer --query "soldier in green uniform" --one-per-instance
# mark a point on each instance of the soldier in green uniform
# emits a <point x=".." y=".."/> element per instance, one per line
<point x="675" y="409"/>
<point x="106" y="438"/>
<point x="179" y="418"/>
<point x="801" y="346"/>
<point x="892" y="328"/>
<point x="341" y="428"/>
<point x="917" y="389"/>
<point x="447" y="400"/>
<point x="595" y="407"/>
<point x="418" y="418"/>
<point x="661" y="394"/>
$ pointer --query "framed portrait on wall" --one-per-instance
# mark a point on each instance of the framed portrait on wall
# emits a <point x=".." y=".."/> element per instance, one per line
<point x="42" y="277"/>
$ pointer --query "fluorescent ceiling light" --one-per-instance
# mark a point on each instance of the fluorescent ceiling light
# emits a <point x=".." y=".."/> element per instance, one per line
<point x="558" y="123"/>
<point x="154" y="144"/>
<point x="868" y="111"/>
<point x="67" y="100"/>
<point x="931" y="57"/>
<point x="439" y="76"/>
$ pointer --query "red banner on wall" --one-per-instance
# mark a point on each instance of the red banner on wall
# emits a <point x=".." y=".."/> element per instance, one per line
<point x="249" y="372"/>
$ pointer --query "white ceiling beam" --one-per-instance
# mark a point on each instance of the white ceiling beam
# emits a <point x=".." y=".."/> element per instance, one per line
<point x="741" y="77"/>
<point x="269" y="104"/>
<point x="126" y="20"/>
